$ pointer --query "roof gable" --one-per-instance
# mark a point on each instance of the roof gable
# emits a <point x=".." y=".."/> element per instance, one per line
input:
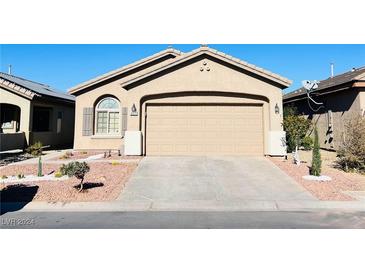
<point x="162" y="55"/>
<point x="204" y="50"/>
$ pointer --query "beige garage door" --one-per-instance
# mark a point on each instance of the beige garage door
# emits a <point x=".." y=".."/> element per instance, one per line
<point x="204" y="130"/>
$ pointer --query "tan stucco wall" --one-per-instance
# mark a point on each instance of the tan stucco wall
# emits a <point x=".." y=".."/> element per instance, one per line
<point x="7" y="97"/>
<point x="238" y="87"/>
<point x="90" y="99"/>
<point x="362" y="101"/>
<point x="344" y="105"/>
<point x="52" y="138"/>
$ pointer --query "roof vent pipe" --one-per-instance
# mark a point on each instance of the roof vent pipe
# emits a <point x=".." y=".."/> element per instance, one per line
<point x="332" y="68"/>
<point x="9" y="70"/>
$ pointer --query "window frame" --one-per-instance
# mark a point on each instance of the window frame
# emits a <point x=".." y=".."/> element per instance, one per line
<point x="36" y="111"/>
<point x="108" y="112"/>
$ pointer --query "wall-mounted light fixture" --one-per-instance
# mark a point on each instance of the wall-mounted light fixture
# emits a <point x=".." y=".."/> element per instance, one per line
<point x="277" y="109"/>
<point x="134" y="110"/>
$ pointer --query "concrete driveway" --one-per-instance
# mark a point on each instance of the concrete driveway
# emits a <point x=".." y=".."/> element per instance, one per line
<point x="175" y="183"/>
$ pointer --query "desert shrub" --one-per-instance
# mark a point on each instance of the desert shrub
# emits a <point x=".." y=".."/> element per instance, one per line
<point x="3" y="177"/>
<point x="68" y="169"/>
<point x="316" y="156"/>
<point x="351" y="155"/>
<point x="115" y="163"/>
<point x="296" y="128"/>
<point x="77" y="169"/>
<point x="67" y="155"/>
<point x="20" y="176"/>
<point x="35" y="149"/>
<point x="58" y="174"/>
<point x="307" y="143"/>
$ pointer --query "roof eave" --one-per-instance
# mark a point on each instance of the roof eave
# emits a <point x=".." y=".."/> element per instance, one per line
<point x="227" y="58"/>
<point x="124" y="69"/>
<point x="46" y="98"/>
<point x="302" y="95"/>
<point x="17" y="89"/>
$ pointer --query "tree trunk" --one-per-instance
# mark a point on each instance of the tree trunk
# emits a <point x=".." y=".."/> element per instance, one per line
<point x="81" y="184"/>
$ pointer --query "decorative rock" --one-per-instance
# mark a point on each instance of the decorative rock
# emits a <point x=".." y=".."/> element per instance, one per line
<point x="95" y="157"/>
<point x="321" y="178"/>
<point x="33" y="178"/>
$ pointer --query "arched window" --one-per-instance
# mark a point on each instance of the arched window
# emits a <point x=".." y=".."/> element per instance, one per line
<point x="107" y="116"/>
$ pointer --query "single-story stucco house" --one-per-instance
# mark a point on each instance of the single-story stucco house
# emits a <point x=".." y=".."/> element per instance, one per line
<point x="203" y="102"/>
<point x="339" y="97"/>
<point x="31" y="112"/>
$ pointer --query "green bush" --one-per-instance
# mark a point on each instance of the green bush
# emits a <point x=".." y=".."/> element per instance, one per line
<point x="307" y="143"/>
<point x="35" y="149"/>
<point x="351" y="155"/>
<point x="76" y="169"/>
<point x="68" y="169"/>
<point x="316" y="156"/>
<point x="296" y="128"/>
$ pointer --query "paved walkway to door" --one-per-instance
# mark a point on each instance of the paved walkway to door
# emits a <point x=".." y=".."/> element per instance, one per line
<point x="208" y="183"/>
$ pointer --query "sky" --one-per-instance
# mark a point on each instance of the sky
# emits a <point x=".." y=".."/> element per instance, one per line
<point x="64" y="66"/>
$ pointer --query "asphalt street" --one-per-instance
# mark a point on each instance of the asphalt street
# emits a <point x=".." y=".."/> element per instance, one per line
<point x="178" y="220"/>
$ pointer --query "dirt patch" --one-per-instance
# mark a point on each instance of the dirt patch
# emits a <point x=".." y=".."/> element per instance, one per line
<point x="104" y="182"/>
<point x="327" y="191"/>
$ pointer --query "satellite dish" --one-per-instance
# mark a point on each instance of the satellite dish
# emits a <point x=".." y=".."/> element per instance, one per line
<point x="310" y="85"/>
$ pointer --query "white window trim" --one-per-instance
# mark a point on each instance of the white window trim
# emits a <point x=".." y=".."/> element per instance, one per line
<point x="108" y="111"/>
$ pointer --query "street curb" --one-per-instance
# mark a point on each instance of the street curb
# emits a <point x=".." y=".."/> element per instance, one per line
<point x="149" y="206"/>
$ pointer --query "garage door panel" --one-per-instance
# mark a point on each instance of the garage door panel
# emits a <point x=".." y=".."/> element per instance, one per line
<point x="204" y="130"/>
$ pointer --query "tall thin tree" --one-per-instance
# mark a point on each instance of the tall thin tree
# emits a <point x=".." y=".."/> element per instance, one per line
<point x="316" y="156"/>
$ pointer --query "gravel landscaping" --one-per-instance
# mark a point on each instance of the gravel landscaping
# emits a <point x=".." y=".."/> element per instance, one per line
<point x="104" y="182"/>
<point x="325" y="190"/>
<point x="93" y="154"/>
<point x="31" y="178"/>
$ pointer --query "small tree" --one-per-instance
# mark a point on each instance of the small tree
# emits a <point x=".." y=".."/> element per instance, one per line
<point x="296" y="128"/>
<point x="316" y="156"/>
<point x="76" y="169"/>
<point x="351" y="155"/>
<point x="40" y="173"/>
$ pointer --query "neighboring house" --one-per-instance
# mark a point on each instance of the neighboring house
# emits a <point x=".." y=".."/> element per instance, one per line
<point x="203" y="102"/>
<point x="343" y="96"/>
<point x="31" y="112"/>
